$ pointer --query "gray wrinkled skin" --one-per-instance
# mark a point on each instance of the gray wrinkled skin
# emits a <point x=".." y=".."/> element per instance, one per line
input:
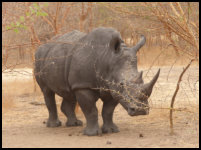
<point x="85" y="67"/>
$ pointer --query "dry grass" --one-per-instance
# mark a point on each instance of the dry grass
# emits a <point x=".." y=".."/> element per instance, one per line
<point x="12" y="90"/>
<point x="19" y="87"/>
<point x="7" y="101"/>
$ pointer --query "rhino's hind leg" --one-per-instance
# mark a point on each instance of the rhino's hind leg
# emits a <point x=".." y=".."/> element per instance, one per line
<point x="49" y="96"/>
<point x="109" y="105"/>
<point x="87" y="101"/>
<point x="68" y="108"/>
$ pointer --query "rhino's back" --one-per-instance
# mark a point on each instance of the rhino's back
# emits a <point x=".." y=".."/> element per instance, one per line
<point x="73" y="36"/>
<point x="52" y="59"/>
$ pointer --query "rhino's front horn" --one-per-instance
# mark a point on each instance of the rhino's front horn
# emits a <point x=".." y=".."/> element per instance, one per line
<point x="139" y="44"/>
<point x="147" y="88"/>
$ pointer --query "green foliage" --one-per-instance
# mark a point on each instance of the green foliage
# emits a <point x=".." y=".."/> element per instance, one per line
<point x="16" y="30"/>
<point x="37" y="11"/>
<point x="17" y="24"/>
<point x="8" y="27"/>
<point x="28" y="14"/>
<point x="34" y="10"/>
<point x="22" y="18"/>
<point x="41" y="13"/>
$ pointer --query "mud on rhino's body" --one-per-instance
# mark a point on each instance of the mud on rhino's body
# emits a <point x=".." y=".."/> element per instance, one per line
<point x="82" y="67"/>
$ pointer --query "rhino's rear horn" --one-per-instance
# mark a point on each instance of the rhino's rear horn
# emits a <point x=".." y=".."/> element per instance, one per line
<point x="139" y="44"/>
<point x="147" y="88"/>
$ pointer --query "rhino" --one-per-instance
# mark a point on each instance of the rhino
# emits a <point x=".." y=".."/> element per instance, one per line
<point x="84" y="67"/>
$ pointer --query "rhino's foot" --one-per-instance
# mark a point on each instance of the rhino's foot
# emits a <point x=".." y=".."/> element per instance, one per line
<point x="111" y="128"/>
<point x="92" y="131"/>
<point x="76" y="122"/>
<point x="53" y="123"/>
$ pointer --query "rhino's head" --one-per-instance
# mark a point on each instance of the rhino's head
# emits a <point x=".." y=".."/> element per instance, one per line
<point x="125" y="82"/>
<point x="135" y="95"/>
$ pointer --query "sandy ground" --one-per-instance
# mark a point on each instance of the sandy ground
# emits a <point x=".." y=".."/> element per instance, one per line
<point x="23" y="121"/>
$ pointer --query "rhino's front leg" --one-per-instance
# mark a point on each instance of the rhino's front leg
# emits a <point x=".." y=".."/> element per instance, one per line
<point x="109" y="105"/>
<point x="87" y="101"/>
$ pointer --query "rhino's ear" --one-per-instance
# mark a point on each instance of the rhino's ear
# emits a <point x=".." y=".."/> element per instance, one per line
<point x="115" y="44"/>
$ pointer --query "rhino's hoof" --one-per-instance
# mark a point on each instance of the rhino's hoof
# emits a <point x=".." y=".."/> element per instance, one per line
<point x="56" y="123"/>
<point x="92" y="132"/>
<point x="110" y="128"/>
<point x="70" y="123"/>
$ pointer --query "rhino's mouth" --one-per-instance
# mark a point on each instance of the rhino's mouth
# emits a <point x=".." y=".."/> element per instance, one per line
<point x="137" y="112"/>
<point x="134" y="109"/>
<point x="131" y="111"/>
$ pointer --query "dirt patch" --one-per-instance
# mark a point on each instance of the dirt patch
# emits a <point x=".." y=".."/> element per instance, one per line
<point x="24" y="115"/>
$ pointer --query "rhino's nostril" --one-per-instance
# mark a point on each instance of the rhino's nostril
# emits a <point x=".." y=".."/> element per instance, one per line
<point x="121" y="83"/>
<point x="132" y="111"/>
